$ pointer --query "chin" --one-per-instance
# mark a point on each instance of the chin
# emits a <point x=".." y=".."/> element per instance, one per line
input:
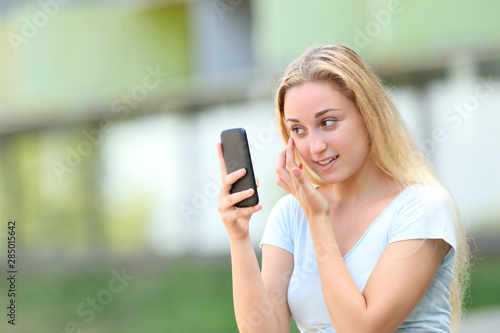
<point x="330" y="178"/>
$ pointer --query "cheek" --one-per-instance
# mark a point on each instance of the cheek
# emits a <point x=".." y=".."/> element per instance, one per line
<point x="340" y="142"/>
<point x="356" y="145"/>
<point x="353" y="134"/>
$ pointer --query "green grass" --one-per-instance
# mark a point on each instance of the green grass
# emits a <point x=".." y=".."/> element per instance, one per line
<point x="183" y="296"/>
<point x="484" y="288"/>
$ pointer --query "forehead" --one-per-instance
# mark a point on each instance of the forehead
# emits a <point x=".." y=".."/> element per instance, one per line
<point x="312" y="97"/>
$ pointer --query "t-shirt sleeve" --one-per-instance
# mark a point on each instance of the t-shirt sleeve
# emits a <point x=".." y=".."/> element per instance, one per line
<point x="278" y="227"/>
<point x="427" y="214"/>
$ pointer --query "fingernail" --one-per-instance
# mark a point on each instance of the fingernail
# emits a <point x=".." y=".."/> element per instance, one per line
<point x="295" y="171"/>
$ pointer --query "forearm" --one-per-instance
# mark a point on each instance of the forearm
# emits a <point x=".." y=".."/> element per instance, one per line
<point x="252" y="305"/>
<point x="346" y="304"/>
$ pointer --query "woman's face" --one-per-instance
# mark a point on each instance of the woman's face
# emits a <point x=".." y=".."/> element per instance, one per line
<point x="329" y="134"/>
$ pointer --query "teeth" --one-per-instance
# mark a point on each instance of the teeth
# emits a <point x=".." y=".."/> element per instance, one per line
<point x="326" y="161"/>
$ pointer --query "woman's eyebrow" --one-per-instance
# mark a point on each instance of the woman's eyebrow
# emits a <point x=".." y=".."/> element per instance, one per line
<point x="317" y="115"/>
<point x="320" y="113"/>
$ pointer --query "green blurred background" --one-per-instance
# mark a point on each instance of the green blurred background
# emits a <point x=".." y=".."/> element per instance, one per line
<point x="109" y="115"/>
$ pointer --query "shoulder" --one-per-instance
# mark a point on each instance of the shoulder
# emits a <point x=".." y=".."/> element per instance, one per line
<point x="287" y="213"/>
<point x="425" y="212"/>
<point x="427" y="198"/>
<point x="287" y="204"/>
<point x="280" y="228"/>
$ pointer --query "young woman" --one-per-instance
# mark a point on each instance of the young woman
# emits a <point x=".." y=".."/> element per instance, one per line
<point x="368" y="240"/>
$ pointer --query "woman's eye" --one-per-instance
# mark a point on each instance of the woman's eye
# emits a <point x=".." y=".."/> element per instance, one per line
<point x="297" y="130"/>
<point x="328" y="122"/>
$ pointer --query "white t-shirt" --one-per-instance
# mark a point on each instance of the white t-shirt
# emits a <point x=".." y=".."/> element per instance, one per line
<point x="419" y="212"/>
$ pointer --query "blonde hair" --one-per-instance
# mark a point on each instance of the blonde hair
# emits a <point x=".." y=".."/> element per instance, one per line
<point x="392" y="148"/>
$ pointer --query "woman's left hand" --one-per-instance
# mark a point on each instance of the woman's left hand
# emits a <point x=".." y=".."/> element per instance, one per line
<point x="292" y="179"/>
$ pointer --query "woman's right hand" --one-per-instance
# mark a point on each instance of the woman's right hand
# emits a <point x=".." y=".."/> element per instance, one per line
<point x="236" y="220"/>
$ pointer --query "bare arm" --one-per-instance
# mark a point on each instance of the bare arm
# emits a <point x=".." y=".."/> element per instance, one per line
<point x="277" y="268"/>
<point x="396" y="285"/>
<point x="259" y="302"/>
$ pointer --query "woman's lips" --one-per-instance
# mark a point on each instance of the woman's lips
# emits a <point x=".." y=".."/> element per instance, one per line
<point x="326" y="163"/>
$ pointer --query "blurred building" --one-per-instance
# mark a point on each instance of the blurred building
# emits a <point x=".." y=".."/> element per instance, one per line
<point x="110" y="110"/>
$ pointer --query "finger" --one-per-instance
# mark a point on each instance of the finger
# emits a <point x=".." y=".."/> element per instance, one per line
<point x="281" y="169"/>
<point x="290" y="156"/>
<point x="282" y="159"/>
<point x="257" y="182"/>
<point x="232" y="199"/>
<point x="229" y="200"/>
<point x="247" y="211"/>
<point x="296" y="172"/>
<point x="301" y="182"/>
<point x="222" y="163"/>
<point x="229" y="180"/>
<point x="281" y="183"/>
<point x="234" y="214"/>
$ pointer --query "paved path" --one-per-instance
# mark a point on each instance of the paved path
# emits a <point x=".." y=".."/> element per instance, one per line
<point x="480" y="321"/>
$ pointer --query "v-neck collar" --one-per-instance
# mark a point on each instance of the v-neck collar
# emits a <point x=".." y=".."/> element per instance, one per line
<point x="375" y="221"/>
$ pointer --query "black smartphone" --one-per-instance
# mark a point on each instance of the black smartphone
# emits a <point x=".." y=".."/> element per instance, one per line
<point x="237" y="155"/>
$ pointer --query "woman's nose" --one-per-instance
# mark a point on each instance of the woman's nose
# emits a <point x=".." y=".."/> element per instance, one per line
<point x="317" y="144"/>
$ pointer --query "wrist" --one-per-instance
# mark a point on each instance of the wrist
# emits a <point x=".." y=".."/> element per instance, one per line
<point x="319" y="224"/>
<point x="239" y="241"/>
<point x="318" y="218"/>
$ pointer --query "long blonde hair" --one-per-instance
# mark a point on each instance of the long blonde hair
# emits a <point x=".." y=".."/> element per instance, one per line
<point x="392" y="148"/>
